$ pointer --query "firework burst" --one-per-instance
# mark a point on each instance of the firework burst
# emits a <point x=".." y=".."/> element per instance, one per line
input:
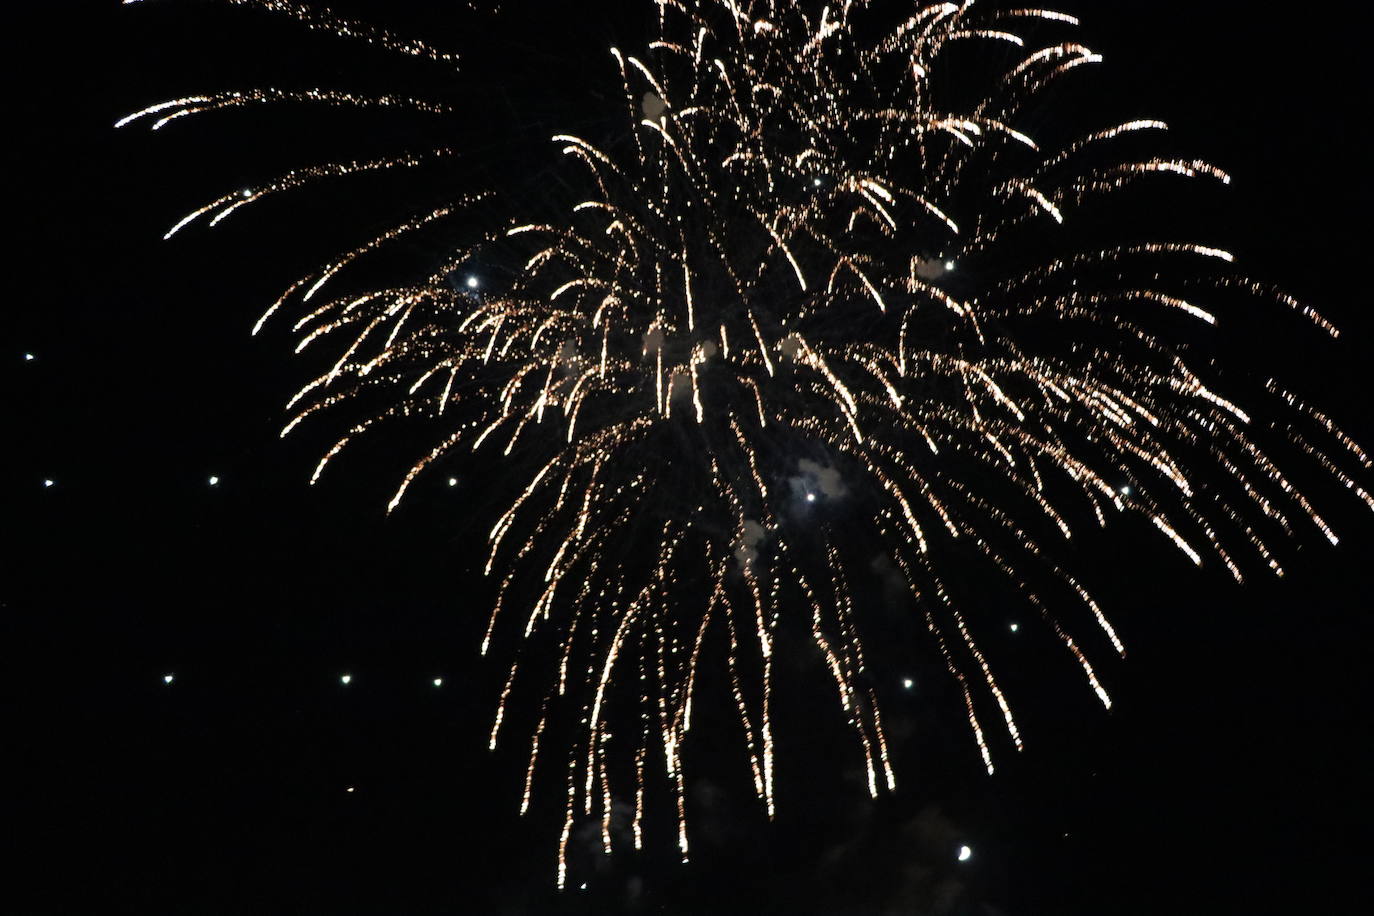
<point x="820" y="302"/>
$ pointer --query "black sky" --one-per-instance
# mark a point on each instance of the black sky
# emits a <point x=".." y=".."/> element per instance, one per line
<point x="1231" y="777"/>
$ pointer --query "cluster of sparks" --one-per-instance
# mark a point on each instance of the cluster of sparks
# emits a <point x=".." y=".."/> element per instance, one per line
<point x="795" y="303"/>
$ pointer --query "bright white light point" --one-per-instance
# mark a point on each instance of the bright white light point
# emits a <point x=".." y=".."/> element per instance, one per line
<point x="453" y="481"/>
<point x="1015" y="627"/>
<point x="584" y="887"/>
<point x="345" y="679"/>
<point x="811" y="497"/>
<point x="438" y="682"/>
<point x="1126" y="491"/>
<point x="28" y="356"/>
<point x="47" y="483"/>
<point x="908" y="683"/>
<point x="965" y="853"/>
<point x="167" y="679"/>
<point x="949" y="265"/>
<point x="816" y="182"/>
<point x="349" y="789"/>
<point x="472" y="282"/>
<point x="247" y="192"/>
<point x="214" y="480"/>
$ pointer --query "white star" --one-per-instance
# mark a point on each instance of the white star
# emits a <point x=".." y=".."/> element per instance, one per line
<point x="472" y="282"/>
<point x="214" y="481"/>
<point x="438" y="682"/>
<point x="346" y="678"/>
<point x="167" y="679"/>
<point x="965" y="853"/>
<point x="48" y="482"/>
<point x="908" y="683"/>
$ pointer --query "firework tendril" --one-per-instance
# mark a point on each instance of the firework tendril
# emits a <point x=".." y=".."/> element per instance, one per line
<point x="822" y="302"/>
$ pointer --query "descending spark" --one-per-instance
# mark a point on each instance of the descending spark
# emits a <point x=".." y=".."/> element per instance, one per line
<point x="323" y="20"/>
<point x="196" y="104"/>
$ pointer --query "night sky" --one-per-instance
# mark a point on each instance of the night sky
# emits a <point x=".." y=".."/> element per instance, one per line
<point x="178" y="537"/>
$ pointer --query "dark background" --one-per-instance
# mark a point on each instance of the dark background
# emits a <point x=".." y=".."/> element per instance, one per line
<point x="1231" y="776"/>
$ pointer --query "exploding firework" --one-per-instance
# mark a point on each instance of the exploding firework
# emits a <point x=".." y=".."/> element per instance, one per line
<point x="824" y="298"/>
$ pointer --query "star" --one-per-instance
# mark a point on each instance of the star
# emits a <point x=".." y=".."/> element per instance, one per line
<point x="167" y="678"/>
<point x="345" y="679"/>
<point x="965" y="853"/>
<point x="214" y="481"/>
